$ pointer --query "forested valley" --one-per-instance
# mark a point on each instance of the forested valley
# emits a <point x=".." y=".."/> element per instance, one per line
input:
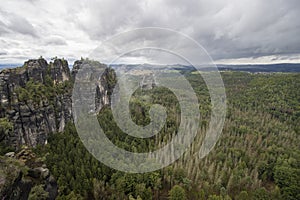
<point x="256" y="157"/>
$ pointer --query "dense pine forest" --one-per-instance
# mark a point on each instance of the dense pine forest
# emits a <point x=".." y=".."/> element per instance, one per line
<point x="256" y="157"/>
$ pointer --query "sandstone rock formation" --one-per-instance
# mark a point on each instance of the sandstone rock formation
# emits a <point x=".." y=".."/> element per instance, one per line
<point x="22" y="172"/>
<point x="37" y="100"/>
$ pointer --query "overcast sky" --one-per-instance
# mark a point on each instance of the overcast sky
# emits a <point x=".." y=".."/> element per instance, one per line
<point x="232" y="31"/>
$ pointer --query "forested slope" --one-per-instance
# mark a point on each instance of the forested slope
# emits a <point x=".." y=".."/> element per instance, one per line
<point x="256" y="157"/>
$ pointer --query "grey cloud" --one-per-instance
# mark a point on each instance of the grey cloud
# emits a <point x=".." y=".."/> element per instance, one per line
<point x="3" y="52"/>
<point x="21" y="25"/>
<point x="55" y="40"/>
<point x="3" y="29"/>
<point x="17" y="24"/>
<point x="257" y="29"/>
<point x="103" y="18"/>
<point x="227" y="29"/>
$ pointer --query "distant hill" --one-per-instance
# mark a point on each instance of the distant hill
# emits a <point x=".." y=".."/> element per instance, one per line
<point x="267" y="68"/>
<point x="283" y="67"/>
<point x="10" y="65"/>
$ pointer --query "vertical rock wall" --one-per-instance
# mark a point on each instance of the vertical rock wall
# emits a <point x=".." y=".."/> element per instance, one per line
<point x="34" y="120"/>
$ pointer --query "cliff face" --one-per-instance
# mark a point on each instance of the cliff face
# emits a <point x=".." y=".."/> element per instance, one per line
<point x="36" y="100"/>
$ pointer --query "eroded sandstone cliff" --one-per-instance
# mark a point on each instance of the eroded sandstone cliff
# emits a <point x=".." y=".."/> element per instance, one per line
<point x="36" y="100"/>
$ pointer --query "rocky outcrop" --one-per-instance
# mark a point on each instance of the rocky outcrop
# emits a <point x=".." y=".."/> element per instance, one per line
<point x="59" y="71"/>
<point x="37" y="99"/>
<point x="34" y="121"/>
<point x="21" y="172"/>
<point x="76" y="66"/>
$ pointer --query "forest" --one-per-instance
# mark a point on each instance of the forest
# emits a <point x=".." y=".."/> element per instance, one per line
<point x="256" y="157"/>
